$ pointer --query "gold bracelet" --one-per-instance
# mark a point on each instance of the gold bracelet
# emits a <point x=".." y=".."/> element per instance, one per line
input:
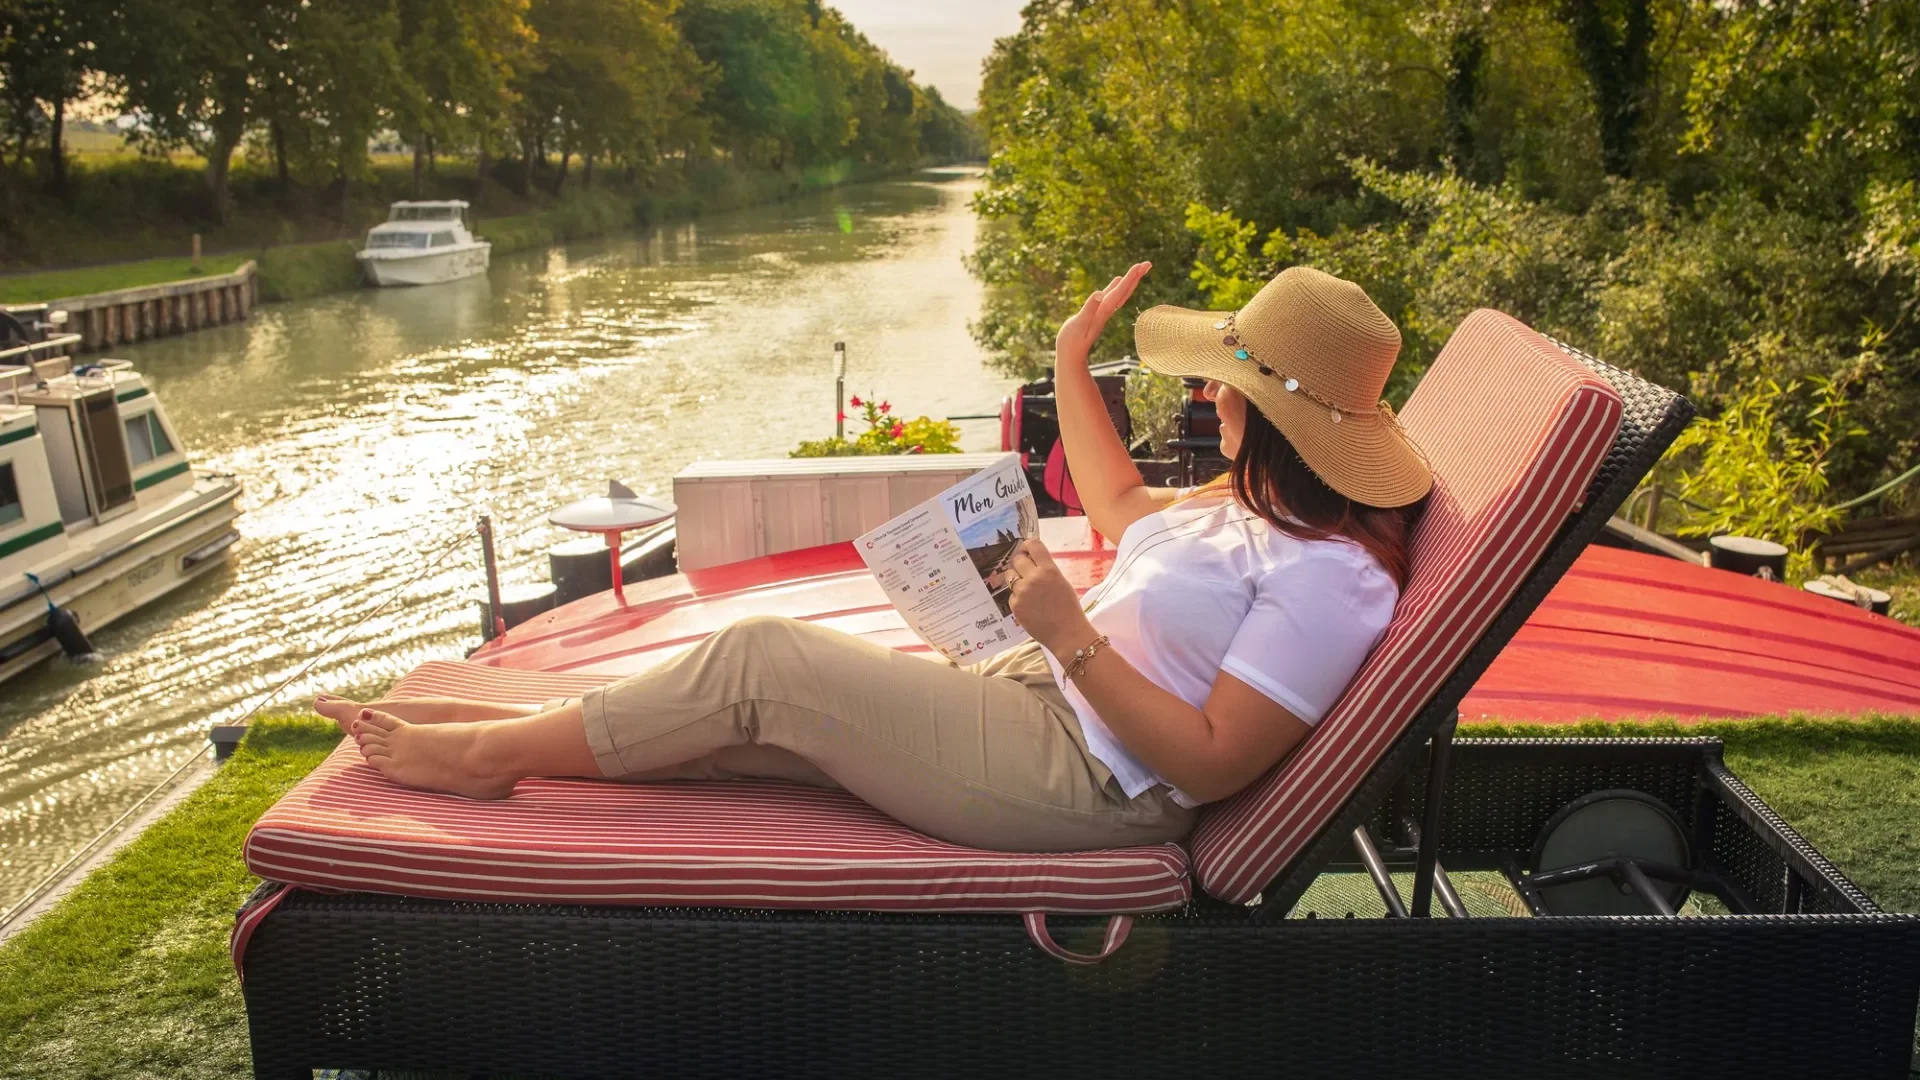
<point x="1077" y="666"/>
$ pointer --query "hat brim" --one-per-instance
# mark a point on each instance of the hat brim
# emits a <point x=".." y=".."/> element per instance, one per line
<point x="1362" y="456"/>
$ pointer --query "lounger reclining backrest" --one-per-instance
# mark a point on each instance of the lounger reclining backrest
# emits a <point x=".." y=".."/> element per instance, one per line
<point x="1516" y="429"/>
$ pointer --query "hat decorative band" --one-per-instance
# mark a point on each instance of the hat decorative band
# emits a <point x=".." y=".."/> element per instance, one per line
<point x="1287" y="382"/>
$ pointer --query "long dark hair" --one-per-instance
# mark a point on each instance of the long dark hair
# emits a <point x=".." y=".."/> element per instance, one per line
<point x="1269" y="478"/>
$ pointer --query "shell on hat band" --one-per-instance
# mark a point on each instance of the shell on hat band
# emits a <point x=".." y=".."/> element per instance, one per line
<point x="1287" y="382"/>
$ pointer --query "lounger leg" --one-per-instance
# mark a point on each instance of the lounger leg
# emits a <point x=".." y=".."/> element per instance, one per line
<point x="1422" y="905"/>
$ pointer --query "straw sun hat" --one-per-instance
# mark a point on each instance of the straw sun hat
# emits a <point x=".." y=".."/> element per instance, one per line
<point x="1312" y="353"/>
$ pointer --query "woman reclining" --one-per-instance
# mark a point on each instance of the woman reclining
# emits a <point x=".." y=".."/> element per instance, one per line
<point x="1232" y="619"/>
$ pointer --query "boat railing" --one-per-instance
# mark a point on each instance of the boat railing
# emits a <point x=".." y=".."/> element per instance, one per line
<point x="35" y="351"/>
<point x="12" y="378"/>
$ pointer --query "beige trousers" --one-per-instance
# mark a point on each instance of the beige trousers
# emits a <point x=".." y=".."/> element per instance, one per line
<point x="990" y="756"/>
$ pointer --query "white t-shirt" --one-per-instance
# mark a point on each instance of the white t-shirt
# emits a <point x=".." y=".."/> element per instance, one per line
<point x="1206" y="586"/>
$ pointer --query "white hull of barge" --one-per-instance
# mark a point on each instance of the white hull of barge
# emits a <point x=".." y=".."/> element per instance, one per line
<point x="124" y="568"/>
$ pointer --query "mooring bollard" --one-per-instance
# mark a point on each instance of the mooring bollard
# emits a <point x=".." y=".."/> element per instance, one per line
<point x="1748" y="555"/>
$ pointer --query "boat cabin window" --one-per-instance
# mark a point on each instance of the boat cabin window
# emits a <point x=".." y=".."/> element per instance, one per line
<point x="146" y="439"/>
<point x="425" y="213"/>
<point x="397" y="240"/>
<point x="10" y="508"/>
<point x="442" y="239"/>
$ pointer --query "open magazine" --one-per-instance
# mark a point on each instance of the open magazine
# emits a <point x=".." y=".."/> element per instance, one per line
<point x="944" y="563"/>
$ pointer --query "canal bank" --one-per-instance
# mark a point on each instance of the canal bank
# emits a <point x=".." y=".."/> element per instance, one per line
<point x="302" y="270"/>
<point x="369" y="424"/>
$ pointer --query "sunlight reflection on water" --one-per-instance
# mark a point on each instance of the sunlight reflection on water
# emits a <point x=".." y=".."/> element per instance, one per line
<point x="370" y="425"/>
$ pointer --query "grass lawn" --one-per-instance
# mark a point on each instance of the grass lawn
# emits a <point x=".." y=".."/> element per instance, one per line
<point x="1901" y="579"/>
<point x="129" y="976"/>
<point x="57" y="284"/>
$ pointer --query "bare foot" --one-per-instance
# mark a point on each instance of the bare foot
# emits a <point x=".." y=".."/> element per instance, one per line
<point x="432" y="757"/>
<point x="339" y="710"/>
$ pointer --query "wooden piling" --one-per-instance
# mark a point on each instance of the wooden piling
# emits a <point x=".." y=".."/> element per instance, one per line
<point x="104" y="320"/>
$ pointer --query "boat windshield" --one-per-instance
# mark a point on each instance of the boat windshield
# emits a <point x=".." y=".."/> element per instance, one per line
<point x="398" y="240"/>
<point x="425" y="213"/>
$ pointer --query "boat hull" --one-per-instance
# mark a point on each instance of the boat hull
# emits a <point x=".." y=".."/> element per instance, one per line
<point x="430" y="267"/>
<point x="162" y="559"/>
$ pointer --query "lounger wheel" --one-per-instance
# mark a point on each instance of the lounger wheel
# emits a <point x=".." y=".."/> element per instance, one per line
<point x="1616" y="852"/>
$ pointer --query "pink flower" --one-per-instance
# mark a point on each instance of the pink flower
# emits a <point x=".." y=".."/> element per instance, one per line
<point x="884" y="407"/>
<point x="840" y="416"/>
<point x="898" y="427"/>
<point x="917" y="449"/>
<point x="857" y="403"/>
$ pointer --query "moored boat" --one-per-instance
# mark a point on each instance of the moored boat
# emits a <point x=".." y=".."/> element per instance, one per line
<point x="423" y="243"/>
<point x="100" y="510"/>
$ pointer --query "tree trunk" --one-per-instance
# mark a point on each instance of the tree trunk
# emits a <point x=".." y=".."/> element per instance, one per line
<point x="433" y="166"/>
<point x="586" y="171"/>
<point x="560" y="180"/>
<point x="419" y="160"/>
<point x="526" y="166"/>
<point x="480" y="168"/>
<point x="1466" y="59"/>
<point x="1613" y="39"/>
<point x="278" y="132"/>
<point x="219" y="163"/>
<point x="57" y="149"/>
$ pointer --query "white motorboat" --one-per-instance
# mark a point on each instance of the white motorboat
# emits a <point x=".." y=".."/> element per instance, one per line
<point x="423" y="243"/>
<point x="100" y="512"/>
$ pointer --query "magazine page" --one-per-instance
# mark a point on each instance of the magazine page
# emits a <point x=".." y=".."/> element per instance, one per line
<point x="944" y="563"/>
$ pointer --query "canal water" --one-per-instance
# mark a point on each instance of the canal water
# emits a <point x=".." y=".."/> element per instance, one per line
<point x="371" y="426"/>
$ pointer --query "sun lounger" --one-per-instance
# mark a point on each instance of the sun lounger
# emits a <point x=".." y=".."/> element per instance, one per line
<point x="593" y="929"/>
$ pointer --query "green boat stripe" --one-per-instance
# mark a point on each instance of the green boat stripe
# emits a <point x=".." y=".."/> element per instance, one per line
<point x="152" y="478"/>
<point x="136" y="392"/>
<point x="27" y="540"/>
<point x="16" y="436"/>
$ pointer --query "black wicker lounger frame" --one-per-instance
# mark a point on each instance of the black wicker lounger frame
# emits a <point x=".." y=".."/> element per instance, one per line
<point x="1823" y="984"/>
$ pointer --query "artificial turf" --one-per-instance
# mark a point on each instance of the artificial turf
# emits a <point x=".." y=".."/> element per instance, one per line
<point x="129" y="976"/>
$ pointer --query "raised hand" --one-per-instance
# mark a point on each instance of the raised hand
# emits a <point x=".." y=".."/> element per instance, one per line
<point x="1078" y="333"/>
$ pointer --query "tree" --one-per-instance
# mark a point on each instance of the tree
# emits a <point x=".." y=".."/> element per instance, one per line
<point x="46" y="50"/>
<point x="764" y="89"/>
<point x="196" y="74"/>
<point x="1614" y="39"/>
<point x="343" y="58"/>
<point x="458" y="63"/>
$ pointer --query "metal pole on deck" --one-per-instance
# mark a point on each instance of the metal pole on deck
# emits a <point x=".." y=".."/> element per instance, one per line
<point x="494" y="615"/>
<point x="839" y="389"/>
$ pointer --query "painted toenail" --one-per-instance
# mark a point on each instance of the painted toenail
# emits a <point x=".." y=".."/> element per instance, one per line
<point x="366" y="714"/>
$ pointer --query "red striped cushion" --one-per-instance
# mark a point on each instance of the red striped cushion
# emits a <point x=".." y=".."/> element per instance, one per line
<point x="1515" y="431"/>
<point x="743" y="843"/>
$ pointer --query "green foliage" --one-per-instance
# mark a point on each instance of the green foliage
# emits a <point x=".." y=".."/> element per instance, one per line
<point x="299" y="271"/>
<point x="650" y="92"/>
<point x="1756" y="476"/>
<point x="1153" y="405"/>
<point x="129" y="975"/>
<point x="886" y="434"/>
<point x="1712" y="194"/>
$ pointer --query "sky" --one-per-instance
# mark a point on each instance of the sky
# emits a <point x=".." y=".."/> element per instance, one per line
<point x="942" y="41"/>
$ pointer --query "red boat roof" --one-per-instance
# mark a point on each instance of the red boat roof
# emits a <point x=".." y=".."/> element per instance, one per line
<point x="1623" y="635"/>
